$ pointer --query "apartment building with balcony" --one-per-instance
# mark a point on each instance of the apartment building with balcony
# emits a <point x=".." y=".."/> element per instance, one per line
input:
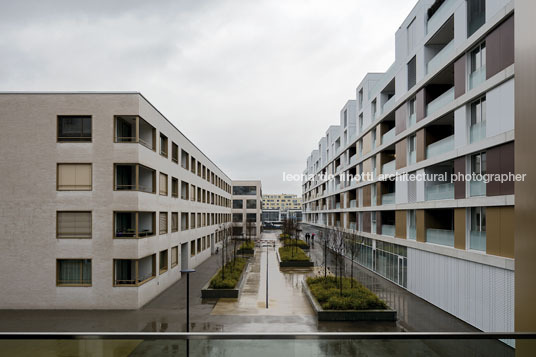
<point x="103" y="201"/>
<point x="445" y="106"/>
<point x="246" y="208"/>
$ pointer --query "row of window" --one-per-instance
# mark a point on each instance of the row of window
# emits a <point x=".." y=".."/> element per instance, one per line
<point x="134" y="129"/>
<point x="78" y="224"/>
<point x="239" y="217"/>
<point x="250" y="204"/>
<point x="127" y="272"/>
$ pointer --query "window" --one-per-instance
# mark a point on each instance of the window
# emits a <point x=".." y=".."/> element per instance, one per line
<point x="174" y="256"/>
<point x="174" y="153"/>
<point x="477" y="239"/>
<point x="193" y="164"/>
<point x="412" y="114"/>
<point x="412" y="149"/>
<point x="134" y="224"/>
<point x="174" y="221"/>
<point x="198" y="245"/>
<point x="163" y="145"/>
<point x="185" y="159"/>
<point x="345" y="118"/>
<point x="74" y="128"/>
<point x="185" y="190"/>
<point x="73" y="272"/>
<point x="412" y="72"/>
<point x="373" y="110"/>
<point x="476" y="15"/>
<point x="251" y="204"/>
<point x="134" y="272"/>
<point x="477" y="65"/>
<point x="360" y="96"/>
<point x="163" y="223"/>
<point x="478" y="167"/>
<point x="192" y="248"/>
<point x="251" y="217"/>
<point x="477" y="129"/>
<point x="412" y="225"/>
<point x="174" y="187"/>
<point x="74" y="177"/>
<point x="73" y="225"/>
<point x="360" y="122"/>
<point x="184" y="221"/>
<point x="126" y="131"/>
<point x="163" y="262"/>
<point x="238" y="204"/>
<point x="134" y="177"/>
<point x="411" y="40"/>
<point x="237" y="217"/>
<point x="244" y="190"/>
<point x="163" y="184"/>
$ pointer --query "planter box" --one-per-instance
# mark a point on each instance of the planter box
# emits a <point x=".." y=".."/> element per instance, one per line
<point x="347" y="315"/>
<point x="245" y="252"/>
<point x="294" y="263"/>
<point x="208" y="293"/>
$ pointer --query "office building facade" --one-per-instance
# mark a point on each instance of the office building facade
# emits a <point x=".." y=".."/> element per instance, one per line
<point x="246" y="208"/>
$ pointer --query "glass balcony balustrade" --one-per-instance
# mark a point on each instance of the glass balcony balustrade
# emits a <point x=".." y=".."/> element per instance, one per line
<point x="477" y="188"/>
<point x="477" y="77"/>
<point x="412" y="157"/>
<point x="387" y="106"/>
<point x="389" y="168"/>
<point x="440" y="236"/>
<point x="412" y="233"/>
<point x="440" y="101"/>
<point x="439" y="59"/>
<point x="388" y="198"/>
<point x="443" y="191"/>
<point x="412" y="120"/>
<point x="477" y="132"/>
<point x="388" y="137"/>
<point x="388" y="230"/>
<point x="440" y="147"/>
<point x="477" y="240"/>
<point x="352" y="203"/>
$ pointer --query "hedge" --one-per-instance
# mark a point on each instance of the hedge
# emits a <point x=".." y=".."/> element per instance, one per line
<point x="247" y="245"/>
<point x="285" y="253"/>
<point x="326" y="290"/>
<point x="232" y="274"/>
<point x="292" y="242"/>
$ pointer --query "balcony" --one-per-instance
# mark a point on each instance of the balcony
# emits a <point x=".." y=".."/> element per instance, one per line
<point x="133" y="129"/>
<point x="440" y="58"/>
<point x="412" y="233"/>
<point x="440" y="236"/>
<point x="477" y="77"/>
<point x="389" y="168"/>
<point x="353" y="226"/>
<point x="440" y="15"/>
<point x="387" y="106"/>
<point x="477" y="188"/>
<point x="353" y="160"/>
<point x="440" y="102"/>
<point x="477" y="240"/>
<point x="388" y="230"/>
<point x="477" y="132"/>
<point x="352" y="203"/>
<point x="388" y="199"/>
<point x="443" y="191"/>
<point x="388" y="136"/>
<point x="134" y="224"/>
<point x="134" y="177"/>
<point x="440" y="147"/>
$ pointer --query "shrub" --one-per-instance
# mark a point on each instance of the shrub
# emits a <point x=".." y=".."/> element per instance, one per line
<point x="283" y="236"/>
<point x="247" y="245"/>
<point x="232" y="274"/>
<point x="285" y="253"/>
<point x="292" y="242"/>
<point x="327" y="292"/>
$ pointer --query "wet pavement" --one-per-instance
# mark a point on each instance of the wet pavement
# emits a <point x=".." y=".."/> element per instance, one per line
<point x="288" y="311"/>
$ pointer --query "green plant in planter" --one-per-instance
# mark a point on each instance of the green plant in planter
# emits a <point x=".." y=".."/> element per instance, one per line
<point x="287" y="254"/>
<point x="232" y="275"/>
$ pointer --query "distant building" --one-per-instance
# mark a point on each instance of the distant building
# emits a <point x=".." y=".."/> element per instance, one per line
<point x="281" y="201"/>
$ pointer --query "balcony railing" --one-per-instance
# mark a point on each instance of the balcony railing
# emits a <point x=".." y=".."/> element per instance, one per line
<point x="477" y="132"/>
<point x="389" y="168"/>
<point x="412" y="157"/>
<point x="440" y="147"/>
<point x="337" y="205"/>
<point x="440" y="57"/>
<point x="388" y="230"/>
<point x="439" y="16"/>
<point x="477" y="77"/>
<point x="440" y="101"/>
<point x="412" y="233"/>
<point x="443" y="191"/>
<point x="387" y="106"/>
<point x="388" y="198"/>
<point x="477" y="188"/>
<point x="353" y="159"/>
<point x="352" y="203"/>
<point x="440" y="236"/>
<point x="389" y="136"/>
<point x="412" y="120"/>
<point x="477" y="240"/>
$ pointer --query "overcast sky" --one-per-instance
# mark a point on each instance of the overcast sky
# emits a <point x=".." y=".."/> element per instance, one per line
<point x="254" y="84"/>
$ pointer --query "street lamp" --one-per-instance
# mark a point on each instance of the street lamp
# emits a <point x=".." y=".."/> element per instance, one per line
<point x="187" y="272"/>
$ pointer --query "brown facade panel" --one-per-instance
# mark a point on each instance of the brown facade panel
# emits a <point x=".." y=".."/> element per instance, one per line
<point x="366" y="195"/>
<point x="420" y="104"/>
<point x="400" y="224"/>
<point x="366" y="222"/>
<point x="500" y="160"/>
<point x="500" y="231"/>
<point x="459" y="185"/>
<point x="500" y="48"/>
<point x="421" y="225"/>
<point x="421" y="145"/>
<point x="400" y="119"/>
<point x="379" y="193"/>
<point x="459" y="76"/>
<point x="400" y="149"/>
<point x="378" y="222"/>
<point x="459" y="228"/>
<point x="367" y="143"/>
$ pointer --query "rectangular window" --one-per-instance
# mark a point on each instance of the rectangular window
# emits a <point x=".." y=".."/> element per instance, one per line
<point x="477" y="239"/>
<point x="174" y="256"/>
<point x="373" y="110"/>
<point x="133" y="129"/>
<point x="185" y="190"/>
<point x="163" y="145"/>
<point x="361" y="123"/>
<point x="174" y="221"/>
<point x="174" y="187"/>
<point x="360" y="98"/>
<point x="198" y="245"/>
<point x="244" y="190"/>
<point x="73" y="128"/>
<point x="412" y="225"/>
<point x="477" y="65"/>
<point x="192" y="248"/>
<point x="477" y="186"/>
<point x="251" y="217"/>
<point x="412" y="72"/>
<point x="477" y="128"/>
<point x="163" y="184"/>
<point x="134" y="224"/>
<point x="412" y="113"/>
<point x="412" y="149"/>
<point x="73" y="272"/>
<point x="237" y="217"/>
<point x="73" y="225"/>
<point x="134" y="177"/>
<point x="193" y="164"/>
<point x="237" y="204"/>
<point x="174" y="153"/>
<point x="185" y="159"/>
<point x="184" y="221"/>
<point x="411" y="40"/>
<point x="163" y="223"/>
<point x="251" y="204"/>
<point x="74" y="177"/>
<point x="476" y="15"/>
<point x="134" y="272"/>
<point x="163" y="262"/>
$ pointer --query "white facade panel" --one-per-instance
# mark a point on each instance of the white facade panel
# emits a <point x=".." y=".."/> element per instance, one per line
<point x="500" y="109"/>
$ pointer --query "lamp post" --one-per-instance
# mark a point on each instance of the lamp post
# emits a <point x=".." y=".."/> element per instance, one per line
<point x="266" y="275"/>
<point x="187" y="272"/>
